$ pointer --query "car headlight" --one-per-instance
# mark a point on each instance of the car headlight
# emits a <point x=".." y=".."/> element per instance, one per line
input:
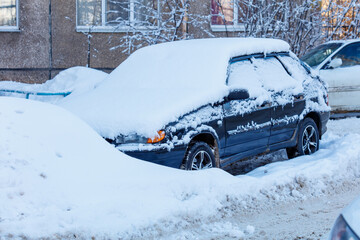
<point x="134" y="138"/>
<point x="342" y="231"/>
<point x="157" y="138"/>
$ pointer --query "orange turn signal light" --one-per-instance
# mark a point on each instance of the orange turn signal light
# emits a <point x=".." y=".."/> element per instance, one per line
<point x="158" y="138"/>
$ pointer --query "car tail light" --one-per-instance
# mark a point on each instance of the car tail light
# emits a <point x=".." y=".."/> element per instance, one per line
<point x="327" y="99"/>
<point x="160" y="136"/>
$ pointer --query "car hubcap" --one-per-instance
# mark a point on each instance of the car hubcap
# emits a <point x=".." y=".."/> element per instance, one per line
<point x="201" y="160"/>
<point x="309" y="140"/>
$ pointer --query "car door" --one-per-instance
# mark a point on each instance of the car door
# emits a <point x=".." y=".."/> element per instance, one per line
<point x="288" y="101"/>
<point x="285" y="118"/>
<point x="247" y="122"/>
<point x="344" y="81"/>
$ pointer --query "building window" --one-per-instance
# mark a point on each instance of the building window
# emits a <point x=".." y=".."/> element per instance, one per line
<point x="117" y="15"/>
<point x="224" y="16"/>
<point x="9" y="15"/>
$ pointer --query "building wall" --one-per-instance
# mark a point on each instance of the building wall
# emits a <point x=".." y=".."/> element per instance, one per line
<point x="24" y="55"/>
<point x="70" y="48"/>
<point x="38" y="52"/>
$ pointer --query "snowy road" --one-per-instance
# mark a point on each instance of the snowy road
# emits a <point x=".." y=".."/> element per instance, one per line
<point x="310" y="219"/>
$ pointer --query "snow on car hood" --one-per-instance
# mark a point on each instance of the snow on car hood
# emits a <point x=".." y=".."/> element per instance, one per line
<point x="159" y="83"/>
<point x="352" y="215"/>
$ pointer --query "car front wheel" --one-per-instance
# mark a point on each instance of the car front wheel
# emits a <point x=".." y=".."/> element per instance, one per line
<point x="200" y="156"/>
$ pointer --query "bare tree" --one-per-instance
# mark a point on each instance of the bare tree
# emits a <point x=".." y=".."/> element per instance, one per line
<point x="341" y="19"/>
<point x="156" y="22"/>
<point x="302" y="23"/>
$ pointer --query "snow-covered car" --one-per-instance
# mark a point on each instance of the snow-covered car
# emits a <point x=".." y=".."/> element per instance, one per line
<point x="338" y="63"/>
<point x="207" y="103"/>
<point x="347" y="225"/>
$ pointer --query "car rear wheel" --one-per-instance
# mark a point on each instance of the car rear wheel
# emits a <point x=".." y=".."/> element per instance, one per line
<point x="308" y="142"/>
<point x="200" y="156"/>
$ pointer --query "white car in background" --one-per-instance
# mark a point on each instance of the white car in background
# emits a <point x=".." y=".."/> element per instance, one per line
<point x="347" y="225"/>
<point x="338" y="64"/>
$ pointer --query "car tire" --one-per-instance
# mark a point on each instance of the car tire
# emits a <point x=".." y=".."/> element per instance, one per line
<point x="199" y="156"/>
<point x="308" y="139"/>
<point x="308" y="142"/>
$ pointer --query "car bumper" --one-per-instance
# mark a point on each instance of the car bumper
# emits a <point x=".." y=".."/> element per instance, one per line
<point x="170" y="158"/>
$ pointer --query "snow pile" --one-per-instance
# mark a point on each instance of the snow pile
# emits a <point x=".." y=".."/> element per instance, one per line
<point x="58" y="178"/>
<point x="160" y="83"/>
<point x="75" y="80"/>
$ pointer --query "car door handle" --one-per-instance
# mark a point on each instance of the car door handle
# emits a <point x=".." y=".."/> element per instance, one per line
<point x="298" y="97"/>
<point x="264" y="105"/>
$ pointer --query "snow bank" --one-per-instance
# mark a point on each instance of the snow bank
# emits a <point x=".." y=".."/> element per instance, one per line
<point x="58" y="179"/>
<point x="75" y="80"/>
<point x="159" y="83"/>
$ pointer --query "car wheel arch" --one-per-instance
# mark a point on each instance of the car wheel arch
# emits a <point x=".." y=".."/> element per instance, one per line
<point x="316" y="117"/>
<point x="208" y="138"/>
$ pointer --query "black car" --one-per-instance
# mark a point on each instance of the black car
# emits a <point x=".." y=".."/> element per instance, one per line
<point x="243" y="124"/>
<point x="205" y="103"/>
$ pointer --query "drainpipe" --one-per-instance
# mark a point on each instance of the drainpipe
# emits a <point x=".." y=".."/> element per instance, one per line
<point x="50" y="41"/>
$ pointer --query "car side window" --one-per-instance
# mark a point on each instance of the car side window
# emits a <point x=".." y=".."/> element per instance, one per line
<point x="350" y="55"/>
<point x="273" y="75"/>
<point x="295" y="68"/>
<point x="242" y="74"/>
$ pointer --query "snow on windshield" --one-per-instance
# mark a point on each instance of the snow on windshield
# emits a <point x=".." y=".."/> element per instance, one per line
<point x="157" y="84"/>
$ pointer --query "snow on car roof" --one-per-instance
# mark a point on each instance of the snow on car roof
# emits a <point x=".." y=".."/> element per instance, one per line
<point x="159" y="83"/>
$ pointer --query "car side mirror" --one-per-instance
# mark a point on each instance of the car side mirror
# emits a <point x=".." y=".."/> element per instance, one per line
<point x="239" y="94"/>
<point x="335" y="63"/>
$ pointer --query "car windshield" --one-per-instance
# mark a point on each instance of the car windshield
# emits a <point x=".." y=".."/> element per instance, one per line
<point x="315" y="56"/>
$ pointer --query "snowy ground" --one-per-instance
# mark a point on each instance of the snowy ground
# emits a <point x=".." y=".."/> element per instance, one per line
<point x="58" y="178"/>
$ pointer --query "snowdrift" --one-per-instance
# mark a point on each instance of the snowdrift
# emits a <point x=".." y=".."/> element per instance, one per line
<point x="59" y="178"/>
<point x="75" y="80"/>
